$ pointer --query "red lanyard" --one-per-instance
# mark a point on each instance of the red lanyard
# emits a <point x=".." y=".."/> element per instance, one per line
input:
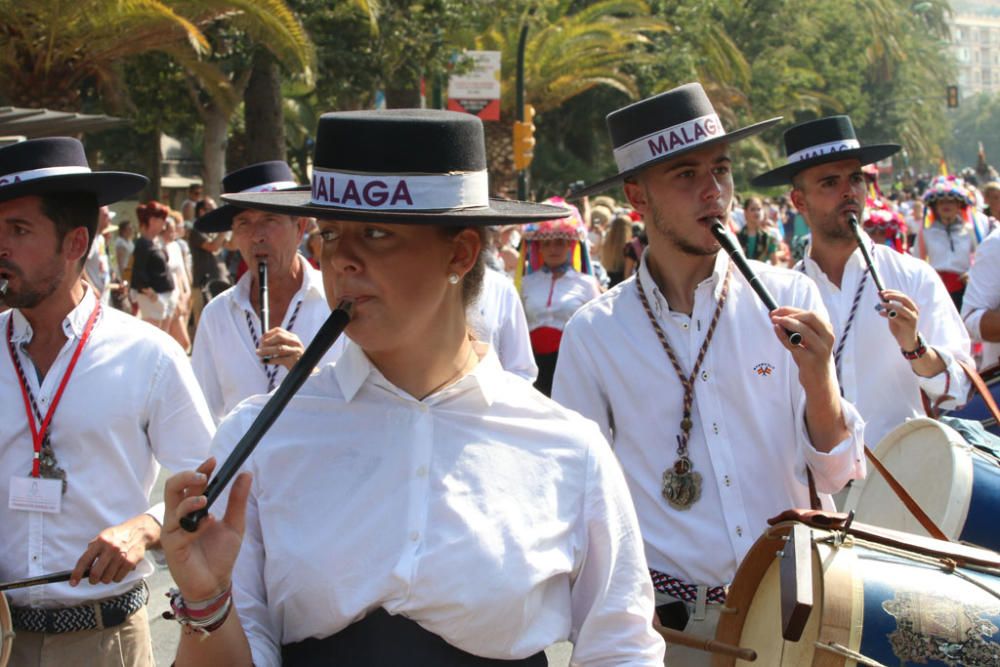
<point x="38" y="435"/>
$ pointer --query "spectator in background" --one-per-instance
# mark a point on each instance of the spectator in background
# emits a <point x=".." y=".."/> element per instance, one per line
<point x="206" y="261"/>
<point x="194" y="195"/>
<point x="634" y="248"/>
<point x="124" y="245"/>
<point x="176" y="324"/>
<point x="97" y="269"/>
<point x="981" y="303"/>
<point x="613" y="254"/>
<point x="947" y="239"/>
<point x="756" y="239"/>
<point x="152" y="284"/>
<point x="991" y="195"/>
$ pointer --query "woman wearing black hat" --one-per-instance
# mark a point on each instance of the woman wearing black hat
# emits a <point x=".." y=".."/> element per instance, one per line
<point x="414" y="504"/>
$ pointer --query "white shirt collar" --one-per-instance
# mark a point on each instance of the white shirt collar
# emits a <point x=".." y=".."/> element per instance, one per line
<point x="856" y="259"/>
<point x="73" y="325"/>
<point x="312" y="281"/>
<point x="657" y="297"/>
<point x="354" y="368"/>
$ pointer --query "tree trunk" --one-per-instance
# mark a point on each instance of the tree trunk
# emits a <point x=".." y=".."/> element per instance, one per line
<point x="500" y="158"/>
<point x="214" y="152"/>
<point x="262" y="110"/>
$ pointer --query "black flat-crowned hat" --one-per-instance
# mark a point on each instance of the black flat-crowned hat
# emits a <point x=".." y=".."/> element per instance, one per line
<point x="819" y="141"/>
<point x="260" y="177"/>
<point x="413" y="166"/>
<point x="57" y="165"/>
<point x="663" y="127"/>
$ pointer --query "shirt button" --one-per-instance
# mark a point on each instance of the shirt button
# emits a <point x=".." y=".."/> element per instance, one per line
<point x="704" y="376"/>
<point x="422" y="471"/>
<point x="715" y="428"/>
<point x="34" y="559"/>
<point x="685" y="326"/>
<point x="739" y="531"/>
<point x="414" y="536"/>
<point x="727" y="480"/>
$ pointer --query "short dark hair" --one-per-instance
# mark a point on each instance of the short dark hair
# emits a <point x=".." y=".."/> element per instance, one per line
<point x="69" y="210"/>
<point x="199" y="207"/>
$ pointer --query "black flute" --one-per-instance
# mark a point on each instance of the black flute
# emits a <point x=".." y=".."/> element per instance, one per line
<point x="53" y="578"/>
<point x="719" y="232"/>
<point x="3" y="287"/>
<point x="853" y="220"/>
<point x="265" y="310"/>
<point x="325" y="337"/>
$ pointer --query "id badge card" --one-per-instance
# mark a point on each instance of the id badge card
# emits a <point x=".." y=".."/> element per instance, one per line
<point x="35" y="494"/>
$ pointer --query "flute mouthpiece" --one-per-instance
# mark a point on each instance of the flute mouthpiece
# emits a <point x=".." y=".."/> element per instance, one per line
<point x="347" y="306"/>
<point x="3" y="287"/>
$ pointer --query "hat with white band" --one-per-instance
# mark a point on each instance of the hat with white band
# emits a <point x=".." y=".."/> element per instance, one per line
<point x="57" y="165"/>
<point x="260" y="177"/>
<point x="820" y="141"/>
<point x="664" y="127"/>
<point x="405" y="166"/>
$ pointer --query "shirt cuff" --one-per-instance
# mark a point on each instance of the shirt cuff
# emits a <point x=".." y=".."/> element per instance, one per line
<point x="846" y="461"/>
<point x="156" y="511"/>
<point x="951" y="384"/>
<point x="972" y="321"/>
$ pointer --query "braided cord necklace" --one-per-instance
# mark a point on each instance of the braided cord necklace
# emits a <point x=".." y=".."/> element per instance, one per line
<point x="681" y="483"/>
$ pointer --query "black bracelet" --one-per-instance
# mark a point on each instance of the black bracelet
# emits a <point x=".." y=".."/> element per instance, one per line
<point x="917" y="353"/>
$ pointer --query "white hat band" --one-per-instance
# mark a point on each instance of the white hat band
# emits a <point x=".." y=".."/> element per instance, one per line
<point x="44" y="172"/>
<point x="271" y="187"/>
<point x="412" y="192"/>
<point x="823" y="149"/>
<point x="662" y="143"/>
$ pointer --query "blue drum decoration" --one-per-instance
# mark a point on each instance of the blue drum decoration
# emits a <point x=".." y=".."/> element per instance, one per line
<point x="880" y="598"/>
<point x="955" y="484"/>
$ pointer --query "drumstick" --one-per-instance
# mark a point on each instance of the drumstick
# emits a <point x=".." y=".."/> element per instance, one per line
<point x="853" y="220"/>
<point x="53" y="578"/>
<point x="705" y="644"/>
<point x="265" y="310"/>
<point x="325" y="337"/>
<point x="719" y="232"/>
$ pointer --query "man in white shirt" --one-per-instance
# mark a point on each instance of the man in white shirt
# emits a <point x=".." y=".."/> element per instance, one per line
<point x="497" y="317"/>
<point x="981" y="304"/>
<point x="92" y="401"/>
<point x="883" y="363"/>
<point x="708" y="459"/>
<point x="232" y="358"/>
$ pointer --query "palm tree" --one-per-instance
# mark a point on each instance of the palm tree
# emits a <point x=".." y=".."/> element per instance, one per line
<point x="567" y="53"/>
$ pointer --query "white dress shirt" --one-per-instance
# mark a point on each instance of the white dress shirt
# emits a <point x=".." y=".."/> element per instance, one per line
<point x="983" y="294"/>
<point x="950" y="247"/>
<point x="874" y="375"/>
<point x="551" y="301"/>
<point x="497" y="317"/>
<point x="224" y="356"/>
<point x="486" y="513"/>
<point x="749" y="440"/>
<point x="131" y="404"/>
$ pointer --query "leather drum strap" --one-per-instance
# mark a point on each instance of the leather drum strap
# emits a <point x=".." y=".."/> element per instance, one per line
<point x="980" y="385"/>
<point x="907" y="500"/>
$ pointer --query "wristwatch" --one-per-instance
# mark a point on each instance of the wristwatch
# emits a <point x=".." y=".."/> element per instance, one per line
<point x="918" y="352"/>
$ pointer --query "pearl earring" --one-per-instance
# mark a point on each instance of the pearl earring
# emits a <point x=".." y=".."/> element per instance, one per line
<point x="453" y="278"/>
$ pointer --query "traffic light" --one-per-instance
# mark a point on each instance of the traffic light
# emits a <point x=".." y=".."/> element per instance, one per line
<point x="524" y="139"/>
<point x="952" y="97"/>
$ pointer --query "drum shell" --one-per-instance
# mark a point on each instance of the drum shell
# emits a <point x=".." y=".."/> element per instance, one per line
<point x="885" y="603"/>
<point x="6" y="631"/>
<point x="957" y="486"/>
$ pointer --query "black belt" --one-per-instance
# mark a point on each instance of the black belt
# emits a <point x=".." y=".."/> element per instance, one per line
<point x="383" y="639"/>
<point x="113" y="612"/>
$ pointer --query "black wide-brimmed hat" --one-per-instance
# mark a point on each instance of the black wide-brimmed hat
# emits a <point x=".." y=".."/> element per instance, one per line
<point x="819" y="141"/>
<point x="59" y="165"/>
<point x="663" y="127"/>
<point x="260" y="177"/>
<point x="416" y="166"/>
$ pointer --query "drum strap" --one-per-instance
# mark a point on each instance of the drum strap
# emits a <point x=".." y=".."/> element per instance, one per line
<point x="980" y="386"/>
<point x="907" y="500"/>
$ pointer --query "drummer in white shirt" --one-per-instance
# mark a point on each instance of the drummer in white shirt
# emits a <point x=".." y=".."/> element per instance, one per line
<point x="981" y="304"/>
<point x="883" y="363"/>
<point x="415" y="504"/>
<point x="708" y="459"/>
<point x="232" y="358"/>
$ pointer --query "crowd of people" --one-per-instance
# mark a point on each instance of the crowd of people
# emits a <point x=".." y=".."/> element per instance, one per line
<point x="417" y="502"/>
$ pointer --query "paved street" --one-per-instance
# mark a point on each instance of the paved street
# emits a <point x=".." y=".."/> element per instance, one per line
<point x="165" y="633"/>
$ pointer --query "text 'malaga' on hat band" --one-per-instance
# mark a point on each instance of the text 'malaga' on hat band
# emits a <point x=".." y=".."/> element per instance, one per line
<point x="670" y="140"/>
<point x="410" y="192"/>
<point x="824" y="149"/>
<point x="271" y="187"/>
<point x="44" y="172"/>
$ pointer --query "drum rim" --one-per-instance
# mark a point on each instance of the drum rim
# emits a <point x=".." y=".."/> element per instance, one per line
<point x="6" y="631"/>
<point x="955" y="514"/>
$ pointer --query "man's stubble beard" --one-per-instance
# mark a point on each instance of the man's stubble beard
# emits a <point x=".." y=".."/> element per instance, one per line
<point x="675" y="239"/>
<point x="40" y="289"/>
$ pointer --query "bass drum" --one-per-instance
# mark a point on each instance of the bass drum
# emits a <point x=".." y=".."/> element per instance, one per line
<point x="976" y="408"/>
<point x="6" y="632"/>
<point x="955" y="484"/>
<point x="880" y="598"/>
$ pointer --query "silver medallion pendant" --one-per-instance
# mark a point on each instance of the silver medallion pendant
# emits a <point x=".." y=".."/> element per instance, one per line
<point x="681" y="484"/>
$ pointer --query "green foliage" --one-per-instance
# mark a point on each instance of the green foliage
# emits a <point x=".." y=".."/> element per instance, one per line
<point x="977" y="120"/>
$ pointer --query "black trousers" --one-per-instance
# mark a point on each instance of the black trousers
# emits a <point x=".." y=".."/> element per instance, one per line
<point x="383" y="640"/>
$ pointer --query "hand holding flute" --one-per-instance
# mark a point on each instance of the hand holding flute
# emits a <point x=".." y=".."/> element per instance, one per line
<point x="856" y="229"/>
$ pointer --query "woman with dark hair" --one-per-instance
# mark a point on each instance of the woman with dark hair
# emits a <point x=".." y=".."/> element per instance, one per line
<point x="152" y="282"/>
<point x="948" y="239"/>
<point x="414" y="504"/>
<point x="756" y="238"/>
